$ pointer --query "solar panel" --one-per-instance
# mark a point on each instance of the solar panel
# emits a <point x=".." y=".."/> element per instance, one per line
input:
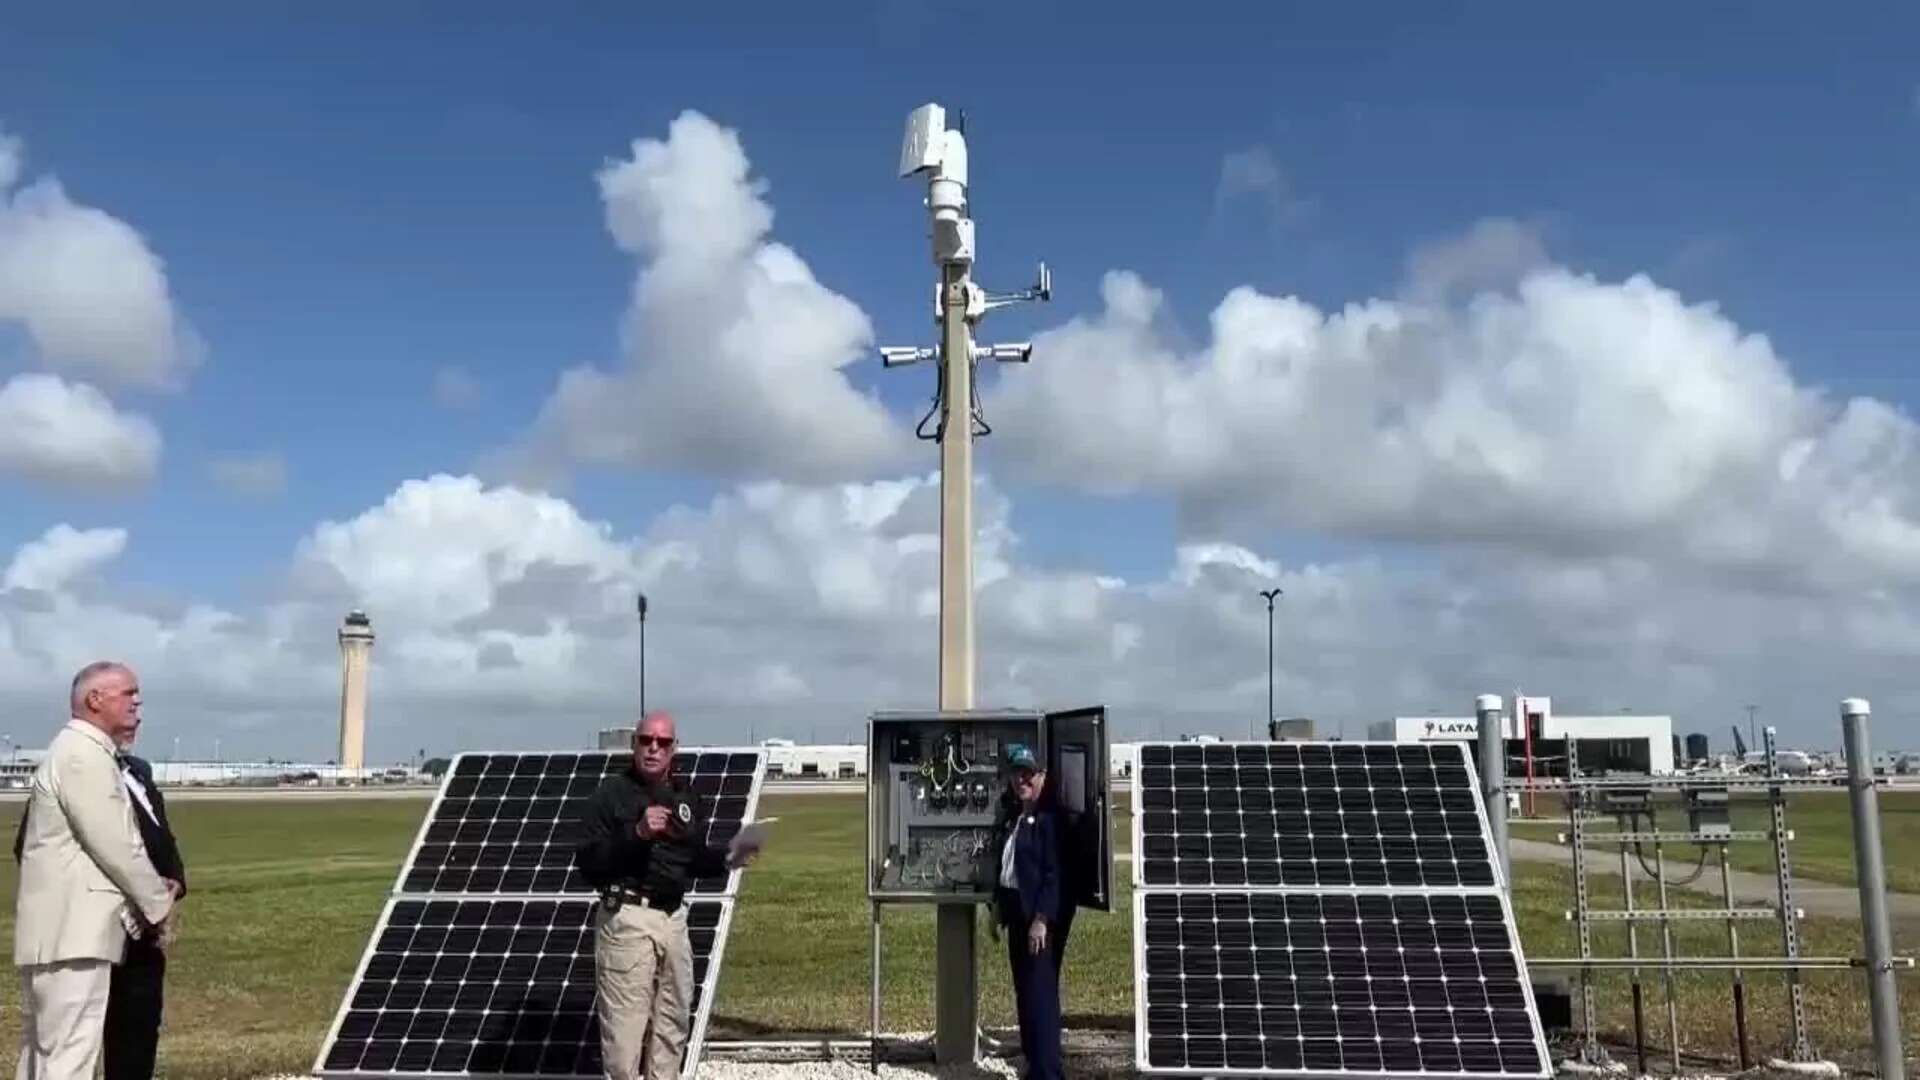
<point x="505" y="823"/>
<point x="1323" y="909"/>
<point x="1273" y="814"/>
<point x="482" y="961"/>
<point x="492" y="988"/>
<point x="1301" y="981"/>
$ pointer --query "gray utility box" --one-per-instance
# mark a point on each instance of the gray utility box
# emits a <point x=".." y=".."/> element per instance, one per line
<point x="937" y="792"/>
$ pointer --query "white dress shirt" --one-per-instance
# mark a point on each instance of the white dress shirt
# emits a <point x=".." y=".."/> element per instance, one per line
<point x="139" y="792"/>
<point x="1007" y="879"/>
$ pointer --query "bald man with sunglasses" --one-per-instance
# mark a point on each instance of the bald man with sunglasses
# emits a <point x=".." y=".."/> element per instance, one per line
<point x="643" y="845"/>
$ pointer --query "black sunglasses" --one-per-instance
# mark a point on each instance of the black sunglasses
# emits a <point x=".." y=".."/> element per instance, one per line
<point x="661" y="741"/>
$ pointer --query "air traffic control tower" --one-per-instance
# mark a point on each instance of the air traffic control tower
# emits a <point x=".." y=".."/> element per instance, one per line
<point x="356" y="652"/>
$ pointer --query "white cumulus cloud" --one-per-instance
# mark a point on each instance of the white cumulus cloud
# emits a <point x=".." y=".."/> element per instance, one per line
<point x="60" y="555"/>
<point x="733" y="351"/>
<point x="57" y="433"/>
<point x="84" y="285"/>
<point x="1564" y="414"/>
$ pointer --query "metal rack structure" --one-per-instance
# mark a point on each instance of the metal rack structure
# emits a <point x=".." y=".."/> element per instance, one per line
<point x="1707" y="797"/>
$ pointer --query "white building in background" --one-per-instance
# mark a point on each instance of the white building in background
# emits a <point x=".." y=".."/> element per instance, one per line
<point x="788" y="760"/>
<point x="16" y="773"/>
<point x="275" y="773"/>
<point x="16" y="769"/>
<point x="1621" y="742"/>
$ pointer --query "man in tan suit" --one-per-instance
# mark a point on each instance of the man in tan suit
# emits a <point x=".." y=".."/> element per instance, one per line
<point x="85" y="880"/>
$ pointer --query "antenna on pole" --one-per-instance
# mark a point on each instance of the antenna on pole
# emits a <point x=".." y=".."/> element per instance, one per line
<point x="938" y="150"/>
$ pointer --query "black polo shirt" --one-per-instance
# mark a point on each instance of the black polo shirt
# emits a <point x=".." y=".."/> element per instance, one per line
<point x="610" y="855"/>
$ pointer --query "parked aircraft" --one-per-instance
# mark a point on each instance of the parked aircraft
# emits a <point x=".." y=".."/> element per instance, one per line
<point x="1790" y="762"/>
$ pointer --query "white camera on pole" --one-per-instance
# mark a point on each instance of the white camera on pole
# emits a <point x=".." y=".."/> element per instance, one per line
<point x="941" y="152"/>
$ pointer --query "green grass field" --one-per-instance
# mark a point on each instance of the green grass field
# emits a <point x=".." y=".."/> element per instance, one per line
<point x="285" y="894"/>
<point x="1822" y="824"/>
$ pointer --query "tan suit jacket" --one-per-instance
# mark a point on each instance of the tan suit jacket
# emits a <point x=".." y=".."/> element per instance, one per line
<point x="82" y="863"/>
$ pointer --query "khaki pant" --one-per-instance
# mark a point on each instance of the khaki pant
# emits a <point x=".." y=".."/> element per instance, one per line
<point x="63" y="1015"/>
<point x="643" y="970"/>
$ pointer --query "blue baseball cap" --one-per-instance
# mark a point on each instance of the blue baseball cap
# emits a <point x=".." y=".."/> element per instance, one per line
<point x="1020" y="757"/>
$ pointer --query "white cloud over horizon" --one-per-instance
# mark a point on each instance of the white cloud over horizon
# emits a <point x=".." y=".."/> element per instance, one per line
<point x="505" y="619"/>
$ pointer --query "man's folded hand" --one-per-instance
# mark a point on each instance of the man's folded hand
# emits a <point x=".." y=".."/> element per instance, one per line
<point x="169" y="930"/>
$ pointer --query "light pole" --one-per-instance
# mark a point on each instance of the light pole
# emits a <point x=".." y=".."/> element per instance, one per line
<point x="1271" y="595"/>
<point x="643" y="655"/>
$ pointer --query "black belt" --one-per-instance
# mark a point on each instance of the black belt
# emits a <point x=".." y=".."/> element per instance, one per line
<point x="614" y="897"/>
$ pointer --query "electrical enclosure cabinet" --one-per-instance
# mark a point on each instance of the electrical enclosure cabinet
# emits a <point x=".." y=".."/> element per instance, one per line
<point x="937" y="794"/>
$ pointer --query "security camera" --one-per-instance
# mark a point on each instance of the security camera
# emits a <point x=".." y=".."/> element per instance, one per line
<point x="1017" y="353"/>
<point x="902" y="355"/>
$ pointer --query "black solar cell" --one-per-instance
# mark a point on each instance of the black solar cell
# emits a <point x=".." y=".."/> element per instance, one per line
<point x="1334" y="982"/>
<point x="490" y="987"/>
<point x="1323" y="908"/>
<point x="1304" y="815"/>
<point x="506" y="823"/>
<point x="460" y="980"/>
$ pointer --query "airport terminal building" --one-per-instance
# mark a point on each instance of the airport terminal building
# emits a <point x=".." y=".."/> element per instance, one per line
<point x="1542" y="742"/>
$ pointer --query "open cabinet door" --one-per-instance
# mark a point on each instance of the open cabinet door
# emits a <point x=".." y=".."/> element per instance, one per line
<point x="1077" y="764"/>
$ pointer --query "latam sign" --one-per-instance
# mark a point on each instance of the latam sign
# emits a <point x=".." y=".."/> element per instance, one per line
<point x="1436" y="728"/>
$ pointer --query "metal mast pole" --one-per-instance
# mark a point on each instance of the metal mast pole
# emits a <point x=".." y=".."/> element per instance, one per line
<point x="956" y="971"/>
<point x="1493" y="779"/>
<point x="940" y="152"/>
<point x="956" y="494"/>
<point x="1883" y="994"/>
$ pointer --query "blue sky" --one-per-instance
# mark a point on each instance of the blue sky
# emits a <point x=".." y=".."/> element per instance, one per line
<point x="347" y="203"/>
